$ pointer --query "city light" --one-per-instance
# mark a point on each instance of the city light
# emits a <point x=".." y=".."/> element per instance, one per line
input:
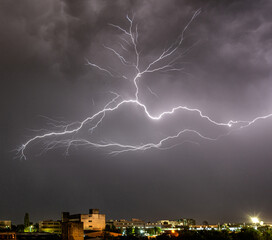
<point x="255" y="220"/>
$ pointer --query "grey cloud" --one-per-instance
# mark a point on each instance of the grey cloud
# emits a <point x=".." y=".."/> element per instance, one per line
<point x="227" y="73"/>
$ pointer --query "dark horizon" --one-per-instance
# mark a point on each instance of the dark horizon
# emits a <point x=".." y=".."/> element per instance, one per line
<point x="227" y="74"/>
<point x="246" y="220"/>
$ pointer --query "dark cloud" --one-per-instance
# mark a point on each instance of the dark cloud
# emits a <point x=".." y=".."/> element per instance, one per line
<point x="227" y="73"/>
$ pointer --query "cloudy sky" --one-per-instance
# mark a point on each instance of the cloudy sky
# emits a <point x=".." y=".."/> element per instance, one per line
<point x="226" y="61"/>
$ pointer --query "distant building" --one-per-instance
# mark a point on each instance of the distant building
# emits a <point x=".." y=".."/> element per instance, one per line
<point x="50" y="226"/>
<point x="181" y="223"/>
<point x="163" y="224"/>
<point x="204" y="227"/>
<point x="134" y="222"/>
<point x="92" y="221"/>
<point x="5" y="224"/>
<point x="186" y="222"/>
<point x="153" y="224"/>
<point x="8" y="235"/>
<point x="168" y="223"/>
<point x="26" y="220"/>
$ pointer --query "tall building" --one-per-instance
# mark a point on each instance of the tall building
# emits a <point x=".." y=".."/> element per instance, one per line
<point x="26" y="220"/>
<point x="92" y="221"/>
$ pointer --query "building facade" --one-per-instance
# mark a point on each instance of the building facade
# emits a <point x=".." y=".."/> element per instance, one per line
<point x="5" y="224"/>
<point x="94" y="221"/>
<point x="50" y="226"/>
<point x="120" y="224"/>
<point x="8" y="235"/>
<point x="72" y="231"/>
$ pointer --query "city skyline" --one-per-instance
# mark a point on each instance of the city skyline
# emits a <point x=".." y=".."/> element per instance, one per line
<point x="223" y="68"/>
<point x="101" y="220"/>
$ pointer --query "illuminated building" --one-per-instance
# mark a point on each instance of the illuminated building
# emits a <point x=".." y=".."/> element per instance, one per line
<point x="50" y="226"/>
<point x="186" y="222"/>
<point x="134" y="222"/>
<point x="4" y="224"/>
<point x="92" y="221"/>
<point x="8" y="235"/>
<point x="168" y="223"/>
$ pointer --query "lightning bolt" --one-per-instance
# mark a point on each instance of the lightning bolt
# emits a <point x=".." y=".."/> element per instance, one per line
<point x="165" y="62"/>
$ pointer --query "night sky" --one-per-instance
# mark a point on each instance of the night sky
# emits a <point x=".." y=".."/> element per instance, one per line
<point x="227" y="74"/>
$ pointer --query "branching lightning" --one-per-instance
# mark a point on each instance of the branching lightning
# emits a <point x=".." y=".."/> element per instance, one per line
<point x="165" y="62"/>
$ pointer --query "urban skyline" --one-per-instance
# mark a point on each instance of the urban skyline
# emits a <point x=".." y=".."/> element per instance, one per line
<point x="248" y="219"/>
<point x="94" y="224"/>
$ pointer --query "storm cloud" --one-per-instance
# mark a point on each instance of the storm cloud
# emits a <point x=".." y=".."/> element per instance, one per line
<point x="227" y="74"/>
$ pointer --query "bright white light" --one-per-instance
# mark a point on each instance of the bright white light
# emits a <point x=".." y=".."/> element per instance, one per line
<point x="255" y="220"/>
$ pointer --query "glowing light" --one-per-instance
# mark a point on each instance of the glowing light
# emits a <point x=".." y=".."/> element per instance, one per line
<point x="255" y="220"/>
<point x="165" y="62"/>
